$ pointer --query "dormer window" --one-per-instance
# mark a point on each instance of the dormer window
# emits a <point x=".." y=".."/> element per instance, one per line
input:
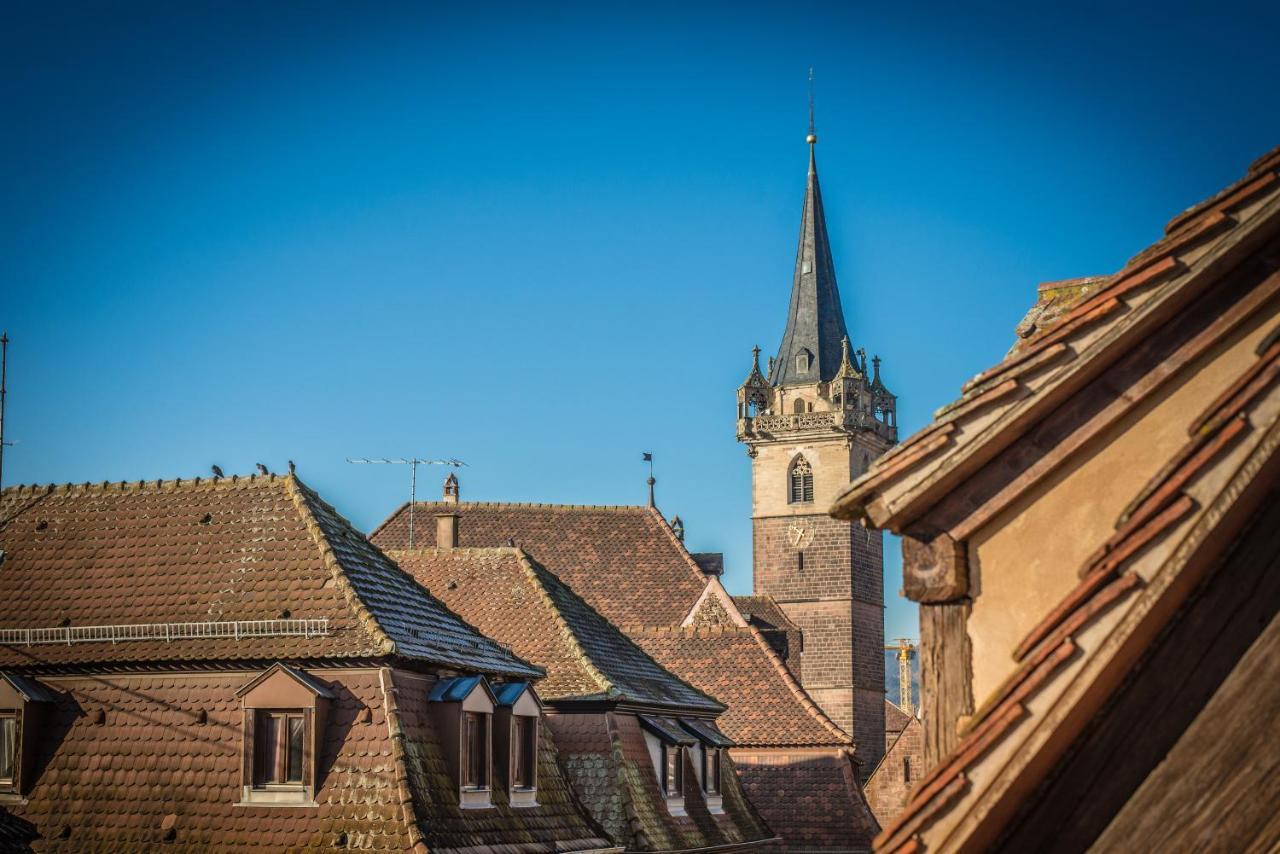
<point x="668" y="743"/>
<point x="711" y="770"/>
<point x="803" y="360"/>
<point x="279" y="740"/>
<point x="285" y="710"/>
<point x="801" y="482"/>
<point x="24" y="709"/>
<point x="712" y="743"/>
<point x="463" y="710"/>
<point x="516" y="720"/>
<point x="673" y="770"/>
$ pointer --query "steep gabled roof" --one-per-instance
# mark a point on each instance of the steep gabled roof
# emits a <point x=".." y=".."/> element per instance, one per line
<point x="624" y="561"/>
<point x="764" y="611"/>
<point x="1193" y="315"/>
<point x="515" y="600"/>
<point x="767" y="707"/>
<point x="204" y="558"/>
<point x="1106" y="322"/>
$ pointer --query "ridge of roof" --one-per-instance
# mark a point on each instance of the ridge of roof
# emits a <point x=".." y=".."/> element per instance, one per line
<point x="606" y="684"/>
<point x="309" y="501"/>
<point x="504" y="505"/>
<point x="227" y="481"/>
<point x="1045" y="368"/>
<point x="301" y="497"/>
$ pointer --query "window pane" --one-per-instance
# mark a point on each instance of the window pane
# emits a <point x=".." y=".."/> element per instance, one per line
<point x="294" y="764"/>
<point x="522" y="751"/>
<point x="476" y="772"/>
<point x="8" y="733"/>
<point x="673" y="771"/>
<point x="266" y="743"/>
<point x="529" y="752"/>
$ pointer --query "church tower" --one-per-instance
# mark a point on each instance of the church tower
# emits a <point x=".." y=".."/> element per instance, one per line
<point x="811" y="423"/>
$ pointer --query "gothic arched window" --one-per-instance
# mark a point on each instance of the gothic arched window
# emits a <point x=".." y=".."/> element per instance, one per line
<point x="801" y="479"/>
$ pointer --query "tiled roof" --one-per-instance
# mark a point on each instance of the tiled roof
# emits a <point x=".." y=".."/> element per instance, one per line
<point x="606" y="758"/>
<point x="767" y="707"/>
<point x="895" y="719"/>
<point x="1005" y="402"/>
<point x="764" y="610"/>
<point x="202" y="551"/>
<point x="518" y="602"/>
<point x="558" y="823"/>
<point x="1138" y="573"/>
<point x="164" y="758"/>
<point x="624" y="561"/>
<point x="813" y="802"/>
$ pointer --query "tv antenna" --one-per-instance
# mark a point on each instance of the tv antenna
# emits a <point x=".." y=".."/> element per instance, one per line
<point x="4" y="369"/>
<point x="412" y="463"/>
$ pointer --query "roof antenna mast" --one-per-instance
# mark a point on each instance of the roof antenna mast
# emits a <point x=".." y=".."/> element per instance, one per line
<point x="412" y="463"/>
<point x="813" y="137"/>
<point x="4" y="369"/>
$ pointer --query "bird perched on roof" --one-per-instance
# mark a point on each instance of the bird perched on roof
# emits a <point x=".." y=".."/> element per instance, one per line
<point x="262" y="469"/>
<point x="292" y="467"/>
<point x="217" y="471"/>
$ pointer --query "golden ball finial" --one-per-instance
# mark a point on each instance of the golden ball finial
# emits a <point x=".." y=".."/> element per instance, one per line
<point x="811" y="139"/>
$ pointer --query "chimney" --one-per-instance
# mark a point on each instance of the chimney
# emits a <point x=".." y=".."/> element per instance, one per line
<point x="447" y="530"/>
<point x="451" y="489"/>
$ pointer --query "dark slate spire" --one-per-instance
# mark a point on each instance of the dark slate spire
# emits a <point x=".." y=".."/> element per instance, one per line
<point x="815" y="321"/>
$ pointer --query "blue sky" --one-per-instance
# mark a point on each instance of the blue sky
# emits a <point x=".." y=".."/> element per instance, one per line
<point x="543" y="240"/>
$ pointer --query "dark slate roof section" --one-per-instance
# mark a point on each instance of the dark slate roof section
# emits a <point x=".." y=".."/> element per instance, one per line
<point x="667" y="729"/>
<point x="712" y="563"/>
<point x="707" y="732"/>
<point x="419" y="624"/>
<point x="815" y="320"/>
<point x="31" y="691"/>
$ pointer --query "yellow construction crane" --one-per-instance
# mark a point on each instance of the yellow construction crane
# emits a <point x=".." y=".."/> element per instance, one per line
<point x="904" y="647"/>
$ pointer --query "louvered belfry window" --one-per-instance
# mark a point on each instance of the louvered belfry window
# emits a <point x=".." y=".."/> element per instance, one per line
<point x="801" y="481"/>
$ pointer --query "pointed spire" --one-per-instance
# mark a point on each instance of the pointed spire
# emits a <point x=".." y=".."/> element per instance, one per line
<point x="755" y="378"/>
<point x="811" y="350"/>
<point x="847" y="366"/>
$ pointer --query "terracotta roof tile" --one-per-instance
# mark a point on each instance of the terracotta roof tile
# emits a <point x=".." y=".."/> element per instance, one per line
<point x="518" y="602"/>
<point x="246" y="549"/>
<point x="624" y="561"/>
<point x="766" y="704"/>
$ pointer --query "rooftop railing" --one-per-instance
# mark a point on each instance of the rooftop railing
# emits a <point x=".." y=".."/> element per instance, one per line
<point x="235" y="629"/>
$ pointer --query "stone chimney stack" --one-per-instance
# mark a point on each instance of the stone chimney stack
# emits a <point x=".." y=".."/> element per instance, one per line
<point x="451" y="489"/>
<point x="447" y="530"/>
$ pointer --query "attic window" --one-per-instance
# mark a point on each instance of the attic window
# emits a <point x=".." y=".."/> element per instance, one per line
<point x="284" y="721"/>
<point x="279" y="741"/>
<point x="24" y="708"/>
<point x="711" y="770"/>
<point x="672" y="769"/>
<point x="803" y="360"/>
<point x="516" y="719"/>
<point x="475" y="751"/>
<point x="463" y="707"/>
<point x="8" y="748"/>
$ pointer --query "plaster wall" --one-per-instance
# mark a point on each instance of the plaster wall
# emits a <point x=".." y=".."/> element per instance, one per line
<point x="1028" y="558"/>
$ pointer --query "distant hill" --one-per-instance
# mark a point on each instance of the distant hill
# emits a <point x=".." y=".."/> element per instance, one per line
<point x="891" y="676"/>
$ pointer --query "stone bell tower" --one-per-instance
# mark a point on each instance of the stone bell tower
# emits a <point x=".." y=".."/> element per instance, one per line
<point x="812" y="424"/>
